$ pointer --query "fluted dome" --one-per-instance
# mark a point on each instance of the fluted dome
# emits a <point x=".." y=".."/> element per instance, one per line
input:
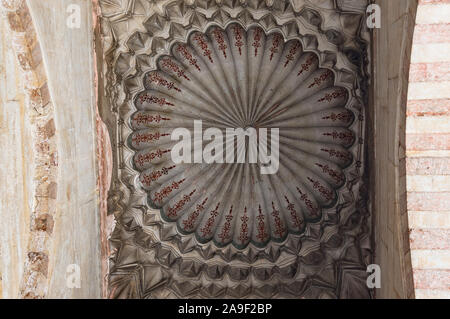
<point x="237" y="78"/>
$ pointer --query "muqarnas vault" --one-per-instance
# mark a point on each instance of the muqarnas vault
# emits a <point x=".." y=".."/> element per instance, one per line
<point x="224" y="230"/>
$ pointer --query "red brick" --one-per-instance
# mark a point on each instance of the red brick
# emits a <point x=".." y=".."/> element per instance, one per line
<point x="430" y="239"/>
<point x="428" y="107"/>
<point x="421" y="2"/>
<point x="418" y="201"/>
<point x="431" y="279"/>
<point x="428" y="166"/>
<point x="430" y="72"/>
<point x="417" y="72"/>
<point x="438" y="71"/>
<point x="427" y="142"/>
<point x="432" y="33"/>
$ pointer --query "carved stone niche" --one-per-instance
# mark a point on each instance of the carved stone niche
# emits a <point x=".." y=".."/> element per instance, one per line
<point x="225" y="229"/>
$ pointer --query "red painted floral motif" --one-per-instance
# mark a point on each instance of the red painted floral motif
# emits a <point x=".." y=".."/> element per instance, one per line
<point x="188" y="56"/>
<point x="345" y="117"/>
<point x="159" y="196"/>
<point x="341" y="155"/>
<point x="279" y="228"/>
<point x="189" y="223"/>
<point x="156" y="78"/>
<point x="142" y="158"/>
<point x="262" y="235"/>
<point x="173" y="211"/>
<point x="307" y="64"/>
<point x="312" y="208"/>
<point x="347" y="137"/>
<point x="218" y="36"/>
<point x="225" y="234"/>
<point x="147" y="118"/>
<point x="275" y="45"/>
<point x="147" y="179"/>
<point x="257" y="40"/>
<point x="298" y="222"/>
<point x="243" y="235"/>
<point x="336" y="94"/>
<point x="318" y="81"/>
<point x="290" y="57"/>
<point x="172" y="66"/>
<point x="206" y="230"/>
<point x="237" y="32"/>
<point x="325" y="192"/>
<point x="337" y="176"/>
<point x="153" y="99"/>
<point x="203" y="45"/>
<point x="147" y="138"/>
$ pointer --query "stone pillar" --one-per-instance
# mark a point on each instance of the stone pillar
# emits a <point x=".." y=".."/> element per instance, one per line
<point x="391" y="59"/>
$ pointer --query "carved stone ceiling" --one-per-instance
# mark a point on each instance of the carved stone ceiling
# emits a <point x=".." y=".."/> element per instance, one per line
<point x="227" y="229"/>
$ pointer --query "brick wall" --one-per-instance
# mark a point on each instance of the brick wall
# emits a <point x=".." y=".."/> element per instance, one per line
<point x="428" y="150"/>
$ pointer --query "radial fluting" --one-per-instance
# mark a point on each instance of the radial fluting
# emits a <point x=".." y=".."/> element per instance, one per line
<point x="237" y="78"/>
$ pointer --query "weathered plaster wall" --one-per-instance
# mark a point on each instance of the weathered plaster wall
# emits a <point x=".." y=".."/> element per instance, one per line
<point x="30" y="223"/>
<point x="48" y="122"/>
<point x="391" y="59"/>
<point x="15" y="174"/>
<point x="428" y="150"/>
